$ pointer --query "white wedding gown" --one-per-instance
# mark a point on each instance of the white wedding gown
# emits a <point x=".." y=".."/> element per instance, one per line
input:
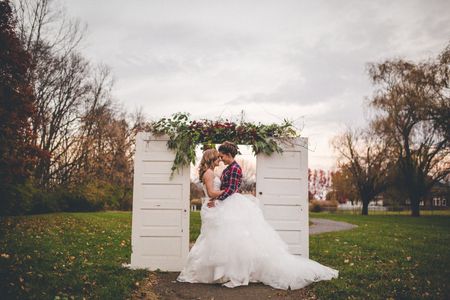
<point x="237" y="246"/>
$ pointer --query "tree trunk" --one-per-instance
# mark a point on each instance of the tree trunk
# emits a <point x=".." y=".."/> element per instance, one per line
<point x="365" y="208"/>
<point x="415" y="206"/>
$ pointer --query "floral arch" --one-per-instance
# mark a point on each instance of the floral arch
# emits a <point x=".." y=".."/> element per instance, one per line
<point x="184" y="134"/>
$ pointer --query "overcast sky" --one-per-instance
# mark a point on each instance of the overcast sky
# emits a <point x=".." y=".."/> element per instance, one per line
<point x="302" y="60"/>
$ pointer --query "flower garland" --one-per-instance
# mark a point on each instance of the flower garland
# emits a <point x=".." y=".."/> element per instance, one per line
<point x="184" y="134"/>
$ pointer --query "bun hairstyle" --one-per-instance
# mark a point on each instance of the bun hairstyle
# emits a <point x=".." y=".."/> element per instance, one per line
<point x="229" y="148"/>
<point x="208" y="158"/>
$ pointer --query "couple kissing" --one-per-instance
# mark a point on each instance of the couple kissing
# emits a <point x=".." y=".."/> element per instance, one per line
<point x="231" y="178"/>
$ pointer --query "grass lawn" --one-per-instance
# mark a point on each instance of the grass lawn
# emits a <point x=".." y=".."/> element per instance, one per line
<point x="394" y="213"/>
<point x="80" y="255"/>
<point x="67" y="254"/>
<point x="387" y="256"/>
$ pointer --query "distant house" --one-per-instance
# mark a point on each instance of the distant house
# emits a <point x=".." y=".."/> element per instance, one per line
<point x="377" y="204"/>
<point x="439" y="196"/>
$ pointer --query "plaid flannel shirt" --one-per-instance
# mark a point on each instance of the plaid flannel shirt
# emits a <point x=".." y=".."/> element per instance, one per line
<point x="230" y="180"/>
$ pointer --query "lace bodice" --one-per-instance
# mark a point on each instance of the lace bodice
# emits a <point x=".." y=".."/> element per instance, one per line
<point x="216" y="184"/>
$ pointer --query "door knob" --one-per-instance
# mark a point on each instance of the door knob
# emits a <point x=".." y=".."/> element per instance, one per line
<point x="260" y="193"/>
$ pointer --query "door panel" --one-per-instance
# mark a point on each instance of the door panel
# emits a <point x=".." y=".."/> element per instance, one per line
<point x="282" y="187"/>
<point x="160" y="226"/>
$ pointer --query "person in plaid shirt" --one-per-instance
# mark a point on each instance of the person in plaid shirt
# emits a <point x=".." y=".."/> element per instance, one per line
<point x="232" y="175"/>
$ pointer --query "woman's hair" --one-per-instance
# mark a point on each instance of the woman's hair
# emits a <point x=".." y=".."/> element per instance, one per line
<point x="228" y="148"/>
<point x="208" y="158"/>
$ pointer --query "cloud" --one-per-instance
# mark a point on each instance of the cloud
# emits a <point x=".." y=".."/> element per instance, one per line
<point x="303" y="60"/>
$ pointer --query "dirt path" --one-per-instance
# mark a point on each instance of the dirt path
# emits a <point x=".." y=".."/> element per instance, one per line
<point x="325" y="225"/>
<point x="163" y="285"/>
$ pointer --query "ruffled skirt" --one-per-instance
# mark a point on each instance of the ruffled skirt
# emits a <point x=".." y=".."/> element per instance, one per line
<point x="237" y="246"/>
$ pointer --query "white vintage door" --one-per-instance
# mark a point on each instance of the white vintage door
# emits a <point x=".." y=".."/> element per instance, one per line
<point x="160" y="226"/>
<point x="282" y="187"/>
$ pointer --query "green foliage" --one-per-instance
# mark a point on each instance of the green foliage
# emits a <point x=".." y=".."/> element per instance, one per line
<point x="92" y="195"/>
<point x="17" y="198"/>
<point x="184" y="134"/>
<point x="44" y="202"/>
<point x="81" y="198"/>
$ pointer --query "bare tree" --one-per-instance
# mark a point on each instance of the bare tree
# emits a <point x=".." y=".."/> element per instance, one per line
<point x="61" y="80"/>
<point x="411" y="105"/>
<point x="59" y="113"/>
<point x="363" y="156"/>
<point x="43" y="26"/>
<point x="438" y="77"/>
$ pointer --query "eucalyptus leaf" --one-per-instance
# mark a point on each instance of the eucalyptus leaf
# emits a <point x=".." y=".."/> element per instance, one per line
<point x="185" y="134"/>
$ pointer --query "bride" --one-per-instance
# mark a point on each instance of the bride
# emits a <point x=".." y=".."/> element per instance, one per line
<point x="236" y="245"/>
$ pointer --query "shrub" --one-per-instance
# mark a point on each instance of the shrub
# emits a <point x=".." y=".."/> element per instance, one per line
<point x="98" y="194"/>
<point x="93" y="195"/>
<point x="77" y="201"/>
<point x="315" y="206"/>
<point x="17" y="199"/>
<point x="44" y="202"/>
<point x="323" y="205"/>
<point x="124" y="198"/>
